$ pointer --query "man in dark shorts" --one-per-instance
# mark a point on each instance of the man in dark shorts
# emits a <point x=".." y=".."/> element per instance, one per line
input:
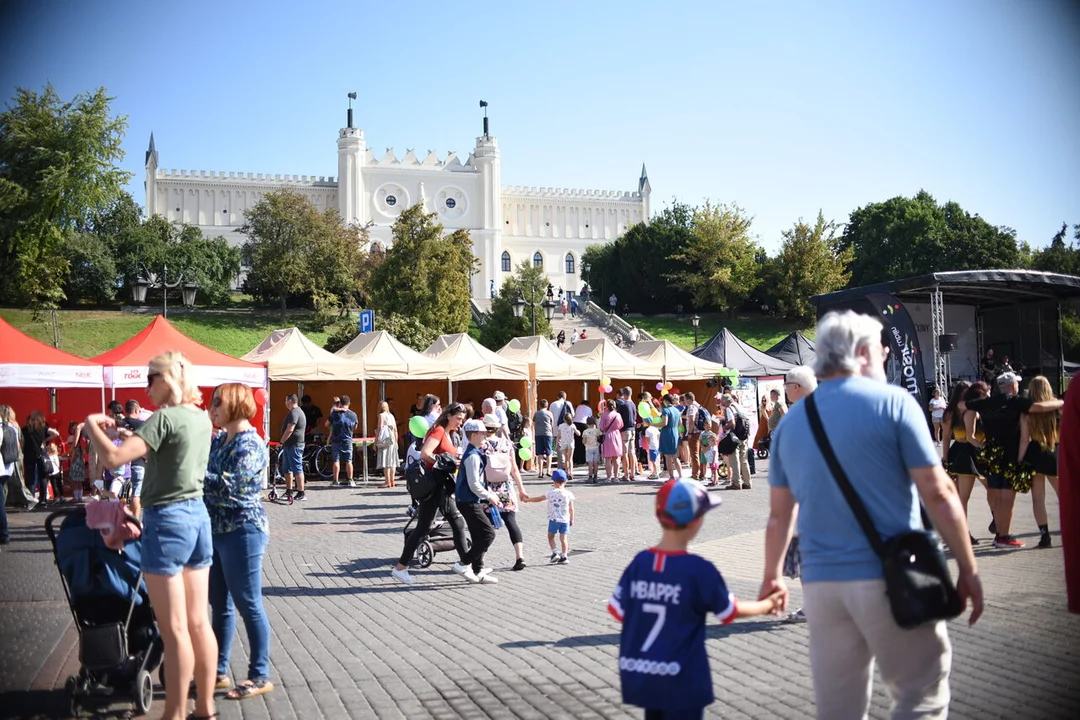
<point x="132" y="422"/>
<point x="343" y="422"/>
<point x="292" y="448"/>
<point x="312" y="415"/>
<point x="1000" y="414"/>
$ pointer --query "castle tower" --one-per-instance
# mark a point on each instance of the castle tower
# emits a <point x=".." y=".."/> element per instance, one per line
<point x="645" y="190"/>
<point x="150" y="185"/>
<point x="487" y="239"/>
<point x="351" y="156"/>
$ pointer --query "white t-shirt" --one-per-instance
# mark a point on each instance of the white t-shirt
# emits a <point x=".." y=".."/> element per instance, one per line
<point x="652" y="436"/>
<point x="558" y="409"/>
<point x="566" y="435"/>
<point x="558" y="504"/>
<point x="582" y="413"/>
<point x="937" y="408"/>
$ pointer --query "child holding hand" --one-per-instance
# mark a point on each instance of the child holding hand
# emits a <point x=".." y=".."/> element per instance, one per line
<point x="560" y="515"/>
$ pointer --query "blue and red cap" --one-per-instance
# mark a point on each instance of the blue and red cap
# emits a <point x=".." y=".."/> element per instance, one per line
<point x="680" y="502"/>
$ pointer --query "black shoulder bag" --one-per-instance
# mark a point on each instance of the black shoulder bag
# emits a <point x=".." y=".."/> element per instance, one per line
<point x="917" y="579"/>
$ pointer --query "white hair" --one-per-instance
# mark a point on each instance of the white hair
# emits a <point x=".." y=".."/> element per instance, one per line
<point x="840" y="336"/>
<point x="803" y="376"/>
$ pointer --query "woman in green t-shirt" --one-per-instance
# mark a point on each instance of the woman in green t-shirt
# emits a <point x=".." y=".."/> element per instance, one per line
<point x="177" y="546"/>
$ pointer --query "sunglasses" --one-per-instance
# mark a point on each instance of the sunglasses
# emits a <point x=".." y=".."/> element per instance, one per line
<point x="150" y="377"/>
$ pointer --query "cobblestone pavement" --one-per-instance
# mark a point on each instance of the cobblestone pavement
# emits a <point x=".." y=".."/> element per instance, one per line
<point x="348" y="641"/>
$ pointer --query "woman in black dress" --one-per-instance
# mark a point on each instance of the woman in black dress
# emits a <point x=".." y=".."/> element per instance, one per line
<point x="1038" y="448"/>
<point x="962" y="454"/>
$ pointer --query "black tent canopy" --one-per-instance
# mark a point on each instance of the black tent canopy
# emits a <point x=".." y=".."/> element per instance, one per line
<point x="796" y="348"/>
<point x="725" y="348"/>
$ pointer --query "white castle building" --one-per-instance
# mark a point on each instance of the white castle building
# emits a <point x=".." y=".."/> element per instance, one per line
<point x="550" y="227"/>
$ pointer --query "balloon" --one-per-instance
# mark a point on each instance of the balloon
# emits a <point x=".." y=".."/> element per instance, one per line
<point x="608" y="388"/>
<point x="675" y="391"/>
<point x="418" y="426"/>
<point x="262" y="396"/>
<point x="602" y="389"/>
<point x="657" y="419"/>
<point x="526" y="441"/>
<point x="514" y="405"/>
<point x="525" y="454"/>
<point x="734" y="374"/>
<point x="659" y="387"/>
<point x="605" y="381"/>
<point x="644" y="409"/>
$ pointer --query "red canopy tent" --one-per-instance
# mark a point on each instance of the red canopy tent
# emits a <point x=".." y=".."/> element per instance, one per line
<point x="124" y="373"/>
<point x="30" y="370"/>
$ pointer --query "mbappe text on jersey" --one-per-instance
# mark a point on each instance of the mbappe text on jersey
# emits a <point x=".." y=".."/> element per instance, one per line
<point x="655" y="591"/>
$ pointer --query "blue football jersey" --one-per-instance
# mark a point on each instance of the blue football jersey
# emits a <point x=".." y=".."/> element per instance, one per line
<point x="662" y="601"/>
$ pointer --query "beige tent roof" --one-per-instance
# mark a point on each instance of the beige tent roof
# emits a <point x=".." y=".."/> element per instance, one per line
<point x="677" y="363"/>
<point x="614" y="361"/>
<point x="462" y="358"/>
<point x="382" y="357"/>
<point x="551" y="362"/>
<point x="289" y="355"/>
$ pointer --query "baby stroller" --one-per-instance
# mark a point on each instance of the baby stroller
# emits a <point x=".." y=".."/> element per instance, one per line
<point x="439" y="538"/>
<point x="119" y="642"/>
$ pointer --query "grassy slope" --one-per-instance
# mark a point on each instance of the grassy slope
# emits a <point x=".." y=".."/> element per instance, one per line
<point x="91" y="332"/>
<point x="761" y="332"/>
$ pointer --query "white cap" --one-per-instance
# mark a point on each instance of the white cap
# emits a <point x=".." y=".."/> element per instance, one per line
<point x="474" y="425"/>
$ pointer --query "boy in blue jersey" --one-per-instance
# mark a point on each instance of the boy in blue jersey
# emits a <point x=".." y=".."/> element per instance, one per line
<point x="662" y="600"/>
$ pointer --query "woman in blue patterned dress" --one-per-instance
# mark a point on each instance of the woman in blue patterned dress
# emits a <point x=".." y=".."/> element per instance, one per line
<point x="232" y="493"/>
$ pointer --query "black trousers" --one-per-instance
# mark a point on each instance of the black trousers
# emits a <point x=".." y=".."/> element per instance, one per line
<point x="425" y="514"/>
<point x="483" y="534"/>
<point x="579" y="447"/>
<point x="510" y="520"/>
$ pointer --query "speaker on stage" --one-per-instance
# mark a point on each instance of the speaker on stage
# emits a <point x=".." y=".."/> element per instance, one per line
<point x="946" y="343"/>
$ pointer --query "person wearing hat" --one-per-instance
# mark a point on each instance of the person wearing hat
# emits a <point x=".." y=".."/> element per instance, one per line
<point x="502" y="477"/>
<point x="560" y="515"/>
<point x="1001" y="414"/>
<point x="662" y="601"/>
<point x="470" y="495"/>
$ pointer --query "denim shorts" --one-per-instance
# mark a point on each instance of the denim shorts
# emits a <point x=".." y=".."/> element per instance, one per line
<point x="138" y="472"/>
<point x="654" y="455"/>
<point x="543" y="445"/>
<point x="176" y="536"/>
<point x="592" y="455"/>
<point x="342" y="450"/>
<point x="556" y="528"/>
<point x="292" y="459"/>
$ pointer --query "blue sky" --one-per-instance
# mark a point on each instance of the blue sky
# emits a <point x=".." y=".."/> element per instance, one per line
<point x="781" y="107"/>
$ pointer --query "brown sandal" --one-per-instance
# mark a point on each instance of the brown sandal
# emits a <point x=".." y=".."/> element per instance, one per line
<point x="249" y="689"/>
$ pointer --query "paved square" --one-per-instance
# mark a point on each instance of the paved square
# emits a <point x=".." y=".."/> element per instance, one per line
<point x="349" y="641"/>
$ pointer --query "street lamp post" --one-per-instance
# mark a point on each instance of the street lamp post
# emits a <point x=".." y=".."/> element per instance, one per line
<point x="149" y="280"/>
<point x="695" y="321"/>
<point x="520" y="303"/>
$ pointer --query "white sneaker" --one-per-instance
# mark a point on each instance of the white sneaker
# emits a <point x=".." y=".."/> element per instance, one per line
<point x="461" y="569"/>
<point x="353" y="483"/>
<point x="403" y="576"/>
<point x="470" y="575"/>
<point x="486" y="578"/>
<point x="554" y="557"/>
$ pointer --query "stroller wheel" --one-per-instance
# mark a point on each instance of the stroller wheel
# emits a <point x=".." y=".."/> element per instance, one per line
<point x="143" y="690"/>
<point x="762" y="454"/>
<point x="71" y="687"/>
<point x="425" y="554"/>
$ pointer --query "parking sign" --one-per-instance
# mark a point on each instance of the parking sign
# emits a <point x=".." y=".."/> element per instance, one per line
<point x="367" y="321"/>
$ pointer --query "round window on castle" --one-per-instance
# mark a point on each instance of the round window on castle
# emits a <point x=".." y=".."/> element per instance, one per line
<point x="451" y="203"/>
<point x="391" y="200"/>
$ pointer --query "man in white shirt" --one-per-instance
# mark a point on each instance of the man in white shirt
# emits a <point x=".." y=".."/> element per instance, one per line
<point x="560" y="407"/>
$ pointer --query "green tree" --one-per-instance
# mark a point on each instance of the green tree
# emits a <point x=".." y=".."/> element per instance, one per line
<point x="810" y="263"/>
<point x="500" y="326"/>
<point x="424" y="274"/>
<point x="1060" y="256"/>
<point x="92" y="272"/>
<point x="904" y="237"/>
<point x="636" y="267"/>
<point x="718" y="268"/>
<point x="58" y="164"/>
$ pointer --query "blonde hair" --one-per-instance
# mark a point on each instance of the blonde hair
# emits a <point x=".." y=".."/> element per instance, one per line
<point x="7" y="414"/>
<point x="178" y="374"/>
<point x="384" y="406"/>
<point x="1043" y="427"/>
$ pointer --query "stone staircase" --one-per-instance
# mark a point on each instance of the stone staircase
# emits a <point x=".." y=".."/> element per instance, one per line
<point x="591" y="317"/>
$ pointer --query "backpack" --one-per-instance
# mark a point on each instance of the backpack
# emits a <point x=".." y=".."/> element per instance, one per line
<point x="497" y="468"/>
<point x="513" y="423"/>
<point x="9" y="447"/>
<point x="742" y="428"/>
<point x="702" y="419"/>
<point x="420" y="483"/>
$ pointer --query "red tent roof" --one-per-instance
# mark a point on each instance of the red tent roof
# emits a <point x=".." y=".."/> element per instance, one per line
<point x="125" y="365"/>
<point x="17" y="347"/>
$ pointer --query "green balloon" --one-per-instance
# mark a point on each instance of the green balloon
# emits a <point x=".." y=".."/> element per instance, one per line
<point x="418" y="426"/>
<point x="526" y="441"/>
<point x="644" y="409"/>
<point x="514" y="405"/>
<point x="525" y="454"/>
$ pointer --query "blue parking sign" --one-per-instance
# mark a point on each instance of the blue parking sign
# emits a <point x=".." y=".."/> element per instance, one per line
<point x="367" y="321"/>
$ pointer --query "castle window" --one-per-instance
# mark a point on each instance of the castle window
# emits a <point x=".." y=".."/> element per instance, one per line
<point x="538" y="260"/>
<point x="569" y="264"/>
<point x="505" y="261"/>
<point x="391" y="200"/>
